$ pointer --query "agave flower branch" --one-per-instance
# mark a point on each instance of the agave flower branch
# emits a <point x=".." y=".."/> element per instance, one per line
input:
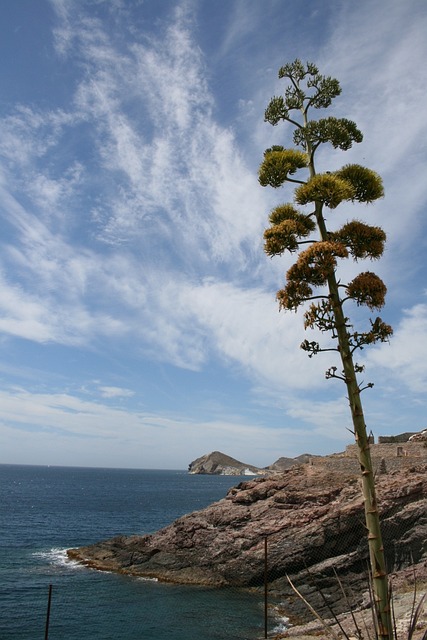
<point x="312" y="279"/>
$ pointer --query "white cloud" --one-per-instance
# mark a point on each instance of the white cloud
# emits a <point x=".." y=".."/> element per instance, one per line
<point x="186" y="175"/>
<point x="40" y="319"/>
<point x="48" y="304"/>
<point x="50" y="194"/>
<point x="331" y="418"/>
<point x="187" y="186"/>
<point x="406" y="356"/>
<point x="383" y="92"/>
<point x="28" y="134"/>
<point x="134" y="217"/>
<point x="22" y="316"/>
<point x="241" y="23"/>
<point x="246" y="328"/>
<point x="115" y="392"/>
<point x="52" y="426"/>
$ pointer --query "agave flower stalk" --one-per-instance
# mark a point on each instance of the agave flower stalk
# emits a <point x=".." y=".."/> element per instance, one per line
<point x="312" y="280"/>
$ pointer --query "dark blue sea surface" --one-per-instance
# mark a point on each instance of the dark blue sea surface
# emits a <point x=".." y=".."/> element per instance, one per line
<point x="45" y="510"/>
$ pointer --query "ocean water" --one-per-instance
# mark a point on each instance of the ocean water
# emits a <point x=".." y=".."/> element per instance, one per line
<point x="45" y="510"/>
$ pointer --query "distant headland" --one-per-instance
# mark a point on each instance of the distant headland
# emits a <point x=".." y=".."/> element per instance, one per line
<point x="390" y="450"/>
<point x="219" y="464"/>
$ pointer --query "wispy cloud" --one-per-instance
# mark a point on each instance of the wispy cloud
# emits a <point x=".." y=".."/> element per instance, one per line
<point x="405" y="359"/>
<point x="133" y="217"/>
<point x="184" y="188"/>
<point x="382" y="91"/>
<point x="115" y="392"/>
<point x="62" y="425"/>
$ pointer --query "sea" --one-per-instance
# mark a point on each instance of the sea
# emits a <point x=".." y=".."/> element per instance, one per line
<point x="45" y="510"/>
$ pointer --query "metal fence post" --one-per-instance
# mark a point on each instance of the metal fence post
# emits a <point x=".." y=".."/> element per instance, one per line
<point x="49" y="600"/>
<point x="265" y="586"/>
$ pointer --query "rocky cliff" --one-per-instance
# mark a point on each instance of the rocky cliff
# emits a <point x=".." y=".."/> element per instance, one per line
<point x="313" y="521"/>
<point x="217" y="463"/>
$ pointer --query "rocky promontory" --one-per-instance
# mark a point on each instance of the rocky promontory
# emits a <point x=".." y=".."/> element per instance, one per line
<point x="217" y="463"/>
<point x="313" y="520"/>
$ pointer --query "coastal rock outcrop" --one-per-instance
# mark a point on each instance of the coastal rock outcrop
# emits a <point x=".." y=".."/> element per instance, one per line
<point x="286" y="463"/>
<point x="419" y="437"/>
<point x="312" y="519"/>
<point x="217" y="463"/>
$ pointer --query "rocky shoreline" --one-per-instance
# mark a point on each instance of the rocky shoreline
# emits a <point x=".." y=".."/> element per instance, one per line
<point x="313" y="521"/>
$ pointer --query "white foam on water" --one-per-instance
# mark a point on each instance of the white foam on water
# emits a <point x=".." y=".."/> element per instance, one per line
<point x="147" y="579"/>
<point x="281" y="620"/>
<point x="281" y="627"/>
<point x="58" y="558"/>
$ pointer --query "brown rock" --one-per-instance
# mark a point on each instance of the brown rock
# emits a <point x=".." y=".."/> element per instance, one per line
<point x="314" y="523"/>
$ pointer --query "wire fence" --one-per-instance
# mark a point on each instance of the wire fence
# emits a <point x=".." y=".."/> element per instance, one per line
<point x="321" y="548"/>
<point x="260" y="610"/>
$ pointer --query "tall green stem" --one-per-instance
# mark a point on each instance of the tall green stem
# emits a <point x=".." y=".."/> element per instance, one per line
<point x="375" y="544"/>
<point x="372" y="519"/>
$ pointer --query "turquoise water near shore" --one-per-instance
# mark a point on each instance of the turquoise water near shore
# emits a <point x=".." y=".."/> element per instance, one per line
<point x="45" y="510"/>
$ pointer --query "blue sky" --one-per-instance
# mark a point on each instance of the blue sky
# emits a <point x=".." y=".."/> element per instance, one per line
<point x="138" y="321"/>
